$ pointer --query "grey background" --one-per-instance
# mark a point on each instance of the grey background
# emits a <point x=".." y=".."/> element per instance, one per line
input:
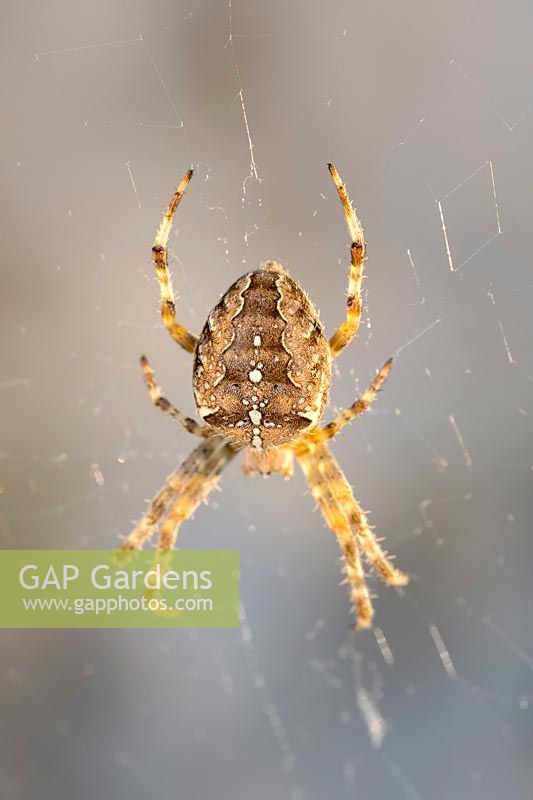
<point x="414" y="102"/>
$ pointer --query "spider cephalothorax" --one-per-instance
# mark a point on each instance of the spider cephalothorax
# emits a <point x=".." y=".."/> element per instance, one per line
<point x="262" y="365"/>
<point x="261" y="377"/>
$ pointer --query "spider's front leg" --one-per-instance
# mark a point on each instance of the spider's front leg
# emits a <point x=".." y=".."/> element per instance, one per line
<point x="159" y="250"/>
<point x="191" y="482"/>
<point x="347" y="519"/>
<point x="354" y="303"/>
<point x="204" y="478"/>
<point x="336" y="519"/>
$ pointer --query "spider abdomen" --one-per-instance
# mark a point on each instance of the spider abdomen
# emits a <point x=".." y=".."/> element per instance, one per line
<point x="262" y="365"/>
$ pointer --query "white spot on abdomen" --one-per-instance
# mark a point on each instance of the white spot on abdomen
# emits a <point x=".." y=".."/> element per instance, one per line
<point x="257" y="341"/>
<point x="255" y="375"/>
<point x="205" y="411"/>
<point x="255" y="416"/>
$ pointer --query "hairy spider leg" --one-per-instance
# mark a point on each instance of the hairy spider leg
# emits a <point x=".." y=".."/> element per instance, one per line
<point x="354" y="303"/>
<point x="207" y="474"/>
<point x="159" y="250"/>
<point x="359" y="406"/>
<point x="203" y="458"/>
<point x="343" y="513"/>
<point x="166" y="406"/>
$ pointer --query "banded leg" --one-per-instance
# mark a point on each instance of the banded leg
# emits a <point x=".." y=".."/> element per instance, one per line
<point x="328" y="481"/>
<point x="166" y="406"/>
<point x="342" y="491"/>
<point x="336" y="519"/>
<point x="175" y="483"/>
<point x="354" y="304"/>
<point x="358" y="407"/>
<point x="168" y="308"/>
<point x="195" y="491"/>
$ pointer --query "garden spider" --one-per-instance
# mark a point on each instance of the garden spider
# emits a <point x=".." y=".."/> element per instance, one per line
<point x="261" y="379"/>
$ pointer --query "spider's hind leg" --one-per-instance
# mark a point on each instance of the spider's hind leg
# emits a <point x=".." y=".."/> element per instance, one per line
<point x="354" y="304"/>
<point x="159" y="250"/>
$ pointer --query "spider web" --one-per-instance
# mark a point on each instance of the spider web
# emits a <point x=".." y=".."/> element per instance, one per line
<point x="426" y="110"/>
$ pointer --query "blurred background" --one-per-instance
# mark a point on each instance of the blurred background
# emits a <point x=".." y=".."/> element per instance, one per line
<point x="425" y="108"/>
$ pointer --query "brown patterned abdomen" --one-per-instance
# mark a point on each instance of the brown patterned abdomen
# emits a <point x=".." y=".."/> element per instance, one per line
<point x="262" y="366"/>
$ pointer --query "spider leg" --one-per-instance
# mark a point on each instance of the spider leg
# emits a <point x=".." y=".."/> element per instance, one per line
<point x="342" y="491"/>
<point x="159" y="250"/>
<point x="166" y="406"/>
<point x="206" y="476"/>
<point x="335" y="517"/>
<point x="344" y="514"/>
<point x="176" y="482"/>
<point x="354" y="304"/>
<point x="358" y="407"/>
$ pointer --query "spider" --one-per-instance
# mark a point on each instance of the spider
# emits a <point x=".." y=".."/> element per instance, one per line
<point x="261" y="378"/>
